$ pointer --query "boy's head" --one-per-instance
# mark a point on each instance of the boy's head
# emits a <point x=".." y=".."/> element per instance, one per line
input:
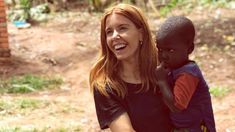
<point x="175" y="41"/>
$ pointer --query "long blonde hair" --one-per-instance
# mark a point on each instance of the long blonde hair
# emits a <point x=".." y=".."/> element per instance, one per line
<point x="106" y="70"/>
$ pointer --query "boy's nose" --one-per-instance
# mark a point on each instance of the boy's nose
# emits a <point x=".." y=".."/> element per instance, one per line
<point x="163" y="56"/>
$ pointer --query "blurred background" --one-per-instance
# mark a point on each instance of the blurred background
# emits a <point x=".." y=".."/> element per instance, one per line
<point x="53" y="44"/>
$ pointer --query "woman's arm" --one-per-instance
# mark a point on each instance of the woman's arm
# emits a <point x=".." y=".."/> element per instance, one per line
<point x="111" y="113"/>
<point x="121" y="124"/>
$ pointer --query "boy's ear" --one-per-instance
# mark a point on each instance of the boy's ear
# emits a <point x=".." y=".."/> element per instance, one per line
<point x="191" y="48"/>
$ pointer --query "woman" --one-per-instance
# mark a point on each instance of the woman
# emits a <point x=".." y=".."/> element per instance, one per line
<point x="123" y="80"/>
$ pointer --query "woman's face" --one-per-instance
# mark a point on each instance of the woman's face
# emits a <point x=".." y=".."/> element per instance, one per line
<point x="123" y="37"/>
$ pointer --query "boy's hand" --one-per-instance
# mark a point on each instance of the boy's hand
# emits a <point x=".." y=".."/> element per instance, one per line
<point x="162" y="72"/>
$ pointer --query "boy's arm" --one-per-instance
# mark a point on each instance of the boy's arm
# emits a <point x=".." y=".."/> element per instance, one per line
<point x="167" y="95"/>
<point x="162" y="81"/>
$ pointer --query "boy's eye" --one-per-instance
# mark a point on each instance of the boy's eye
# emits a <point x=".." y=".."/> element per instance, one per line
<point x="171" y="50"/>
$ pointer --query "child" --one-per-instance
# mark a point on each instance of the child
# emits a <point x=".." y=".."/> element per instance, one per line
<point x="180" y="80"/>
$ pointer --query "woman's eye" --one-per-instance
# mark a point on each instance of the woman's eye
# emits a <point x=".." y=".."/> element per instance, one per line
<point x="122" y="28"/>
<point x="108" y="32"/>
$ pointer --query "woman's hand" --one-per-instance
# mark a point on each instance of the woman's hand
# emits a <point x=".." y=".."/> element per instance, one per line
<point x="121" y="124"/>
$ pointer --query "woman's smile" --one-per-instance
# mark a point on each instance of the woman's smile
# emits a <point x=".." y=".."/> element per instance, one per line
<point x="119" y="47"/>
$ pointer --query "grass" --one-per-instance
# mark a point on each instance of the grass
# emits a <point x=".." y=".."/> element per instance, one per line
<point x="23" y="107"/>
<point x="14" y="107"/>
<point x="18" y="129"/>
<point x="219" y="91"/>
<point x="29" y="83"/>
<point x="46" y="129"/>
<point x="20" y="106"/>
<point x="77" y="129"/>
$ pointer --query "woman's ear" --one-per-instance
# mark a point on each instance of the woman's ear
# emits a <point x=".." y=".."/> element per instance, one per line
<point x="191" y="48"/>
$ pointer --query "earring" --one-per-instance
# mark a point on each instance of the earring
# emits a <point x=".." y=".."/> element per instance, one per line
<point x="141" y="43"/>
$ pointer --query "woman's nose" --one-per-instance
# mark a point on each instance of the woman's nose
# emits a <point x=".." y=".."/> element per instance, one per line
<point x="115" y="35"/>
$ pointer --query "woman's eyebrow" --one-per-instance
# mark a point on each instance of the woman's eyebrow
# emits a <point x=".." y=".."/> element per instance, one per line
<point x="121" y="25"/>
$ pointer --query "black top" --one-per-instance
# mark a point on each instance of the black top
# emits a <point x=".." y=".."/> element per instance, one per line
<point x="146" y="110"/>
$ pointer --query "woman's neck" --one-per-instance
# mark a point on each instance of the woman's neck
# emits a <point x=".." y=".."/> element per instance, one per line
<point x="130" y="71"/>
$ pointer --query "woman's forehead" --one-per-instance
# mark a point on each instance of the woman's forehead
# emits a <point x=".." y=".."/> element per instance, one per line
<point x="117" y="19"/>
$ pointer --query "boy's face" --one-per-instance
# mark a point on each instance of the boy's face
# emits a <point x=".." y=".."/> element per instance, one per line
<point x="173" y="52"/>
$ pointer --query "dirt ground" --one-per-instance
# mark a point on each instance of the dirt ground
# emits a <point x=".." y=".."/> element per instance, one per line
<point x="68" y="46"/>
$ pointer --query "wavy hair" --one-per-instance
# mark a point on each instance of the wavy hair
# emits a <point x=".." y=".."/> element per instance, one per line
<point x="105" y="71"/>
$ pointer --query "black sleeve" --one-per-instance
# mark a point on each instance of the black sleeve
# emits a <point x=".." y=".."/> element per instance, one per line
<point x="107" y="108"/>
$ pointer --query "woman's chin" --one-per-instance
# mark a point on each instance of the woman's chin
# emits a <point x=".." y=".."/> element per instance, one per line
<point x="120" y="58"/>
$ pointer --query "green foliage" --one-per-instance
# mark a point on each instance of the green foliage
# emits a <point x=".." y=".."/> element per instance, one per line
<point x="39" y="13"/>
<point x="21" y="12"/>
<point x="187" y="4"/>
<point x="219" y="91"/>
<point x="68" y="129"/>
<point x="27" y="103"/>
<point x="12" y="129"/>
<point x="96" y="4"/>
<point x="29" y="83"/>
<point x="166" y="9"/>
<point x="24" y="11"/>
<point x="20" y="106"/>
<point x="215" y="3"/>
<point x="10" y="106"/>
<point x="26" y="4"/>
<point x="21" y="129"/>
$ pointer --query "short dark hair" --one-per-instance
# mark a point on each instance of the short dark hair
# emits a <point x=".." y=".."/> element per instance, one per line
<point x="177" y="25"/>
